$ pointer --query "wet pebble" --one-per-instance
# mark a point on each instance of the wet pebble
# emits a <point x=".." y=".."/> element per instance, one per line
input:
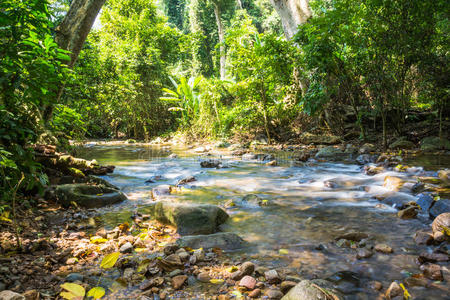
<point x="393" y="291"/>
<point x="272" y="277"/>
<point x="178" y="281"/>
<point x="72" y="277"/>
<point x="274" y="294"/>
<point x="408" y="213"/>
<point x="126" y="248"/>
<point x="286" y="286"/>
<point x="255" y="293"/>
<point x="247" y="268"/>
<point x="423" y="238"/>
<point x="248" y="282"/>
<point x="203" y="277"/>
<point x="383" y="248"/>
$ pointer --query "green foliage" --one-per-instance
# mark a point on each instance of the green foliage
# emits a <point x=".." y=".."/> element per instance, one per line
<point x="187" y="96"/>
<point x="30" y="74"/>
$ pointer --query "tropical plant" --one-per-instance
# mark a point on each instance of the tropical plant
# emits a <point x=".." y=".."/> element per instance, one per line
<point x="187" y="96"/>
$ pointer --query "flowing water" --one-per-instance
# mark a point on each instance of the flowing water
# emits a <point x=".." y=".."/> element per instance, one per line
<point x="308" y="207"/>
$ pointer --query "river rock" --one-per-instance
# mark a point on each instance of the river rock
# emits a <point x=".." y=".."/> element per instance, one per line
<point x="247" y="268"/>
<point x="272" y="277"/>
<point x="126" y="248"/>
<point x="423" y="238"/>
<point x="440" y="207"/>
<point x="273" y="294"/>
<point x="222" y="240"/>
<point x="72" y="277"/>
<point x="308" y="290"/>
<point x="425" y="201"/>
<point x="363" y="253"/>
<point x="203" y="277"/>
<point x="160" y="192"/>
<point x="190" y="219"/>
<point x="355" y="236"/>
<point x="211" y="163"/>
<point x="10" y="295"/>
<point x="366" y="148"/>
<point x="178" y="281"/>
<point x="402" y="143"/>
<point x="248" y="282"/>
<point x="383" y="248"/>
<point x="432" y="257"/>
<point x="444" y="175"/>
<point x="399" y="200"/>
<point x="432" y="271"/>
<point x="441" y="223"/>
<point x="364" y="159"/>
<point x="408" y="213"/>
<point x="255" y="293"/>
<point x="170" y="263"/>
<point x="330" y="153"/>
<point x="88" y="196"/>
<point x="286" y="286"/>
<point x="393" y="291"/>
<point x="433" y="143"/>
<point x="187" y="180"/>
<point x="254" y="200"/>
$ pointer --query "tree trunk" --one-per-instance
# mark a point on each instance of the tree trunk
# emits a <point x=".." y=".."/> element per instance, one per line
<point x="221" y="40"/>
<point x="292" y="13"/>
<point x="71" y="35"/>
<point x="76" y="25"/>
<point x="239" y="3"/>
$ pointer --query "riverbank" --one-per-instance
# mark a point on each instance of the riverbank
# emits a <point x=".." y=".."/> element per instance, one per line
<point x="296" y="262"/>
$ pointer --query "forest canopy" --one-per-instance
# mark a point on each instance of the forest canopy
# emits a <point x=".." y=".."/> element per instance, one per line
<point x="216" y="69"/>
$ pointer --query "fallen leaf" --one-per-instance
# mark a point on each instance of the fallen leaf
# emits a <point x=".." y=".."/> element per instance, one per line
<point x="109" y="260"/>
<point x="73" y="291"/>
<point x="283" y="251"/>
<point x="216" y="281"/>
<point x="96" y="292"/>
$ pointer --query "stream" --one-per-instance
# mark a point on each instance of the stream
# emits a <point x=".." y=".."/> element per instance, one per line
<point x="308" y="207"/>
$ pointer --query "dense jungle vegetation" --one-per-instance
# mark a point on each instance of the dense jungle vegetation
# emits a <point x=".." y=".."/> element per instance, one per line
<point x="216" y="69"/>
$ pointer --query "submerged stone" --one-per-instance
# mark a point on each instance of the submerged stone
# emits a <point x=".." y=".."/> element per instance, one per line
<point x="88" y="196"/>
<point x="222" y="240"/>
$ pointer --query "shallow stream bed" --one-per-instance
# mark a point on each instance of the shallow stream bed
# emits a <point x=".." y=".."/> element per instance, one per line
<point x="307" y="207"/>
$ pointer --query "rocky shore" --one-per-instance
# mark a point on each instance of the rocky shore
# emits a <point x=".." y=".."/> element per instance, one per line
<point x="177" y="251"/>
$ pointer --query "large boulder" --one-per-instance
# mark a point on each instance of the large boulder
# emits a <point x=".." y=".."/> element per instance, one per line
<point x="190" y="219"/>
<point x="433" y="143"/>
<point x="402" y="143"/>
<point x="440" y="207"/>
<point x="330" y="153"/>
<point x="88" y="196"/>
<point x="309" y="138"/>
<point x="312" y="290"/>
<point x="222" y="240"/>
<point x="442" y="223"/>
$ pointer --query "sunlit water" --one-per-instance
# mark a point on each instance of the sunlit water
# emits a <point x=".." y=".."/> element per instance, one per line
<point x="302" y="212"/>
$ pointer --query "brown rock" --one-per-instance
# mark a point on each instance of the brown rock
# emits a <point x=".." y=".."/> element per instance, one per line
<point x="442" y="221"/>
<point x="247" y="268"/>
<point x="203" y="277"/>
<point x="178" y="281"/>
<point x="393" y="291"/>
<point x="439" y="237"/>
<point x="353" y="236"/>
<point x="255" y="293"/>
<point x="236" y="275"/>
<point x="416" y="280"/>
<point x="286" y="286"/>
<point x="432" y="257"/>
<point x="31" y="295"/>
<point x="248" y="282"/>
<point x="408" y="213"/>
<point x="423" y="238"/>
<point x="432" y="271"/>
<point x="170" y="263"/>
<point x="274" y="294"/>
<point x="375" y="285"/>
<point x="272" y="277"/>
<point x="383" y="248"/>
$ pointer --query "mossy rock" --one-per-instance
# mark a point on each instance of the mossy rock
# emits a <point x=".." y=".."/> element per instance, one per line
<point x="190" y="219"/>
<point x="88" y="196"/>
<point x="434" y="143"/>
<point x="402" y="143"/>
<point x="313" y="290"/>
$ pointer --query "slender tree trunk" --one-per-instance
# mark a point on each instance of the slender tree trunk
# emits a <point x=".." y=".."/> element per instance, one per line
<point x="71" y="35"/>
<point x="239" y="3"/>
<point x="221" y="32"/>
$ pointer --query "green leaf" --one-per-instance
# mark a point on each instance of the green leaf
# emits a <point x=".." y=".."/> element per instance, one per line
<point x="73" y="291"/>
<point x="109" y="260"/>
<point x="96" y="292"/>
